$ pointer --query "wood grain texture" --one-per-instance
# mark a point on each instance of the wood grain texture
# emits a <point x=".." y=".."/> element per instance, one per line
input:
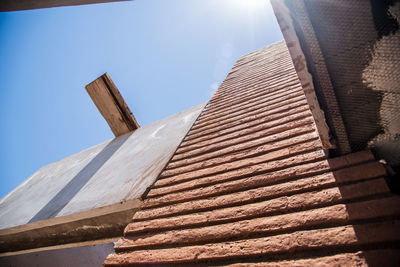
<point x="112" y="105"/>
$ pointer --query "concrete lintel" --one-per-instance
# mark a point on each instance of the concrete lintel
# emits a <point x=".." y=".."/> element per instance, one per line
<point x="75" y="229"/>
<point x="82" y="255"/>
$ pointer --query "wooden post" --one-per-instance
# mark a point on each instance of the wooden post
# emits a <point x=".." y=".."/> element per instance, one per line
<point x="112" y="105"/>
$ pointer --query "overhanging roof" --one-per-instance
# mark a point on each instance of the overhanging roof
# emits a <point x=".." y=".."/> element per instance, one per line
<point x="104" y="179"/>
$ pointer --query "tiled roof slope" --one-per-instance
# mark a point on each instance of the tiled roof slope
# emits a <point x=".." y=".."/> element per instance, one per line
<point x="250" y="184"/>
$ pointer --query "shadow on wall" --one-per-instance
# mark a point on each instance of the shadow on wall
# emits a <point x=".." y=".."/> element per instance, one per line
<point x="62" y="198"/>
<point x="370" y="223"/>
<point x="383" y="76"/>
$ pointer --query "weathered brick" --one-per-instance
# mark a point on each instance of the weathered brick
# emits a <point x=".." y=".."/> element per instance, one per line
<point x="286" y="185"/>
<point x="252" y="92"/>
<point x="381" y="257"/>
<point x="273" y="133"/>
<point x="281" y="204"/>
<point x="234" y="87"/>
<point x="253" y="88"/>
<point x="349" y="235"/>
<point x="305" y="169"/>
<point x="257" y="114"/>
<point x="250" y="122"/>
<point x="337" y="214"/>
<point x="231" y="110"/>
<point x="250" y="179"/>
<point x="215" y="138"/>
<point x="250" y="151"/>
<point x="276" y="102"/>
<point x="279" y="140"/>
<point x="240" y="160"/>
<point x="351" y="159"/>
<point x="251" y="166"/>
<point x="239" y="184"/>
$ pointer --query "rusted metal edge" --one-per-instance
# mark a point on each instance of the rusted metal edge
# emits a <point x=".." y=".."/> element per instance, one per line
<point x="285" y="21"/>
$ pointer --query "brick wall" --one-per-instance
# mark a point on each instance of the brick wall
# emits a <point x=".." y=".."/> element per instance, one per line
<point x="250" y="185"/>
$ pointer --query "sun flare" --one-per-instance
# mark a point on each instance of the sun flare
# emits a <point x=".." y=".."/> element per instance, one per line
<point x="250" y="4"/>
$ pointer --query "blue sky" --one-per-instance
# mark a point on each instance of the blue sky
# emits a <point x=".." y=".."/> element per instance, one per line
<point x="165" y="56"/>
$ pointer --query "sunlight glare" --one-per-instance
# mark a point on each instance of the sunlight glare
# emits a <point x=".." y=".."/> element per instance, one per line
<point x="250" y="4"/>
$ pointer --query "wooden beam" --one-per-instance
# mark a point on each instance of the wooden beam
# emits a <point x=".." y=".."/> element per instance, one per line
<point x="112" y="105"/>
<point x="15" y="5"/>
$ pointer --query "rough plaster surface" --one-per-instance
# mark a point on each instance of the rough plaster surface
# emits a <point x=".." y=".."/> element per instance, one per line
<point x="383" y="76"/>
<point x="115" y="171"/>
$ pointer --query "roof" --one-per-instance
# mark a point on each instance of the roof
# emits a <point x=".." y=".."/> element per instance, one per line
<point x="91" y="186"/>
